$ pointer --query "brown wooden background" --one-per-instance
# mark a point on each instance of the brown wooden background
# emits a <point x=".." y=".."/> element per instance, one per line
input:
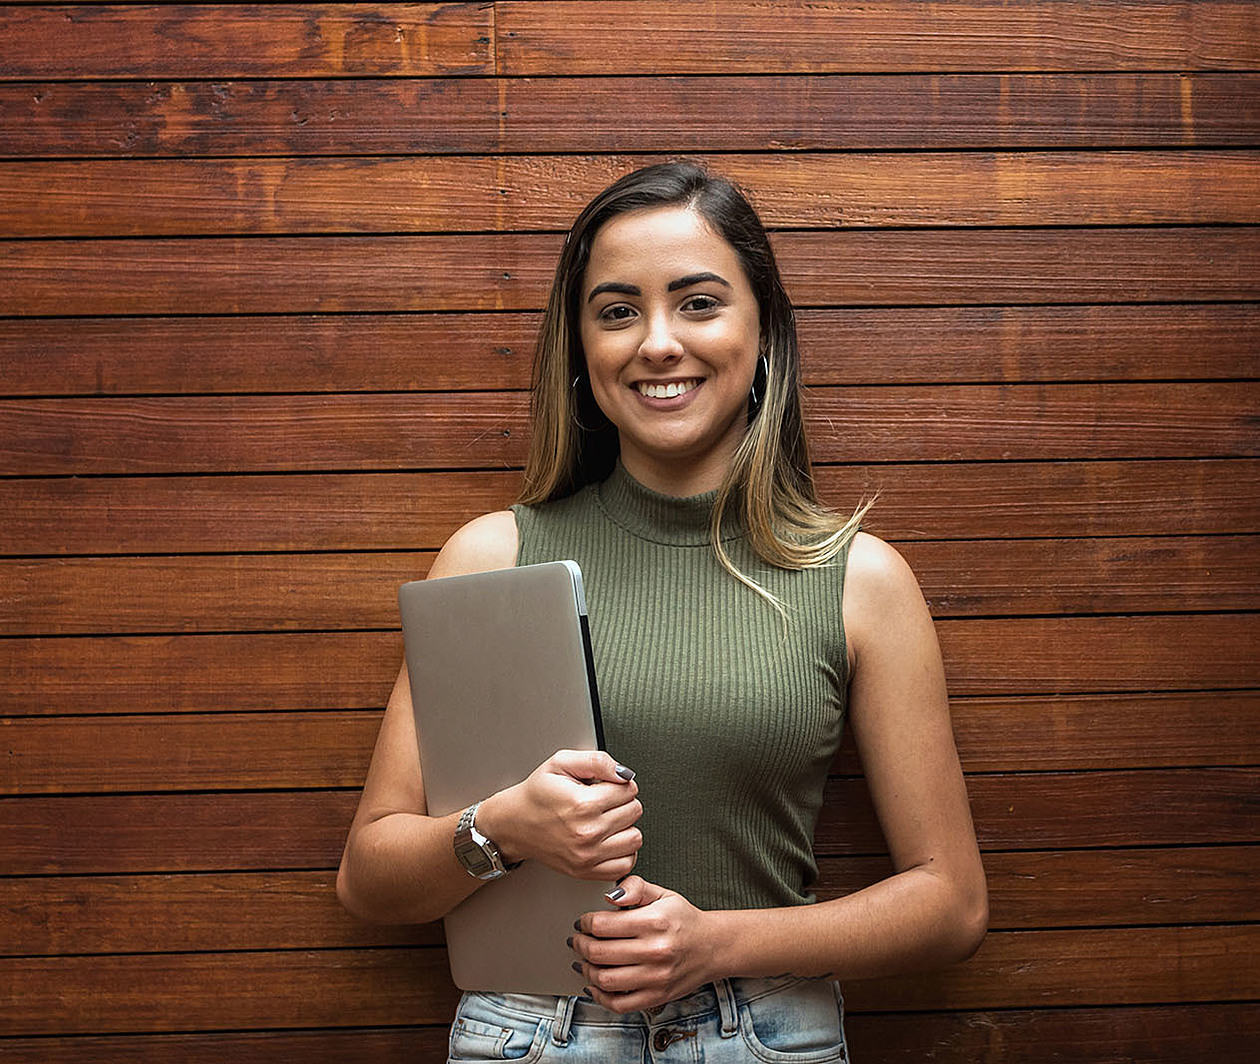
<point x="268" y="281"/>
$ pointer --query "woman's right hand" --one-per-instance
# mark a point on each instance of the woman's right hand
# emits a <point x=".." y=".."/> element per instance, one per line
<point x="573" y="813"/>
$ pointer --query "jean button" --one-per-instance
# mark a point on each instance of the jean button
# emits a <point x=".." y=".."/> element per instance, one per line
<point x="667" y="1036"/>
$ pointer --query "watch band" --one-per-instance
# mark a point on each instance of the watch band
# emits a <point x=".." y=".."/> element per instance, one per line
<point x="479" y="856"/>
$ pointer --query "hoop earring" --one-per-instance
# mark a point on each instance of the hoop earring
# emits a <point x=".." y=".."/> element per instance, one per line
<point x="573" y="408"/>
<point x="763" y="372"/>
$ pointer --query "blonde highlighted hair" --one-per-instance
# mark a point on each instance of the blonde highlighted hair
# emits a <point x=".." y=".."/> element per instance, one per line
<point x="769" y="485"/>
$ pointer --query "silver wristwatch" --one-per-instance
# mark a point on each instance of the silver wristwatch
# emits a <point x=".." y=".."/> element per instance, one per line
<point x="479" y="856"/>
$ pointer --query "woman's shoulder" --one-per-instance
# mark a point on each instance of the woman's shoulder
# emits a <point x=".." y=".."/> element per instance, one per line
<point x="879" y="586"/>
<point x="484" y="543"/>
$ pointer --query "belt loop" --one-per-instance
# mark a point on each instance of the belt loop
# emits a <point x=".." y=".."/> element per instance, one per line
<point x="727" y="1007"/>
<point x="563" y="1021"/>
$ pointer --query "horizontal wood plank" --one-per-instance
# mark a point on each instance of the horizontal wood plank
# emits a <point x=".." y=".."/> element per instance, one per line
<point x="491" y="351"/>
<point x="1155" y="1034"/>
<point x="413" y="511"/>
<point x="198" y="991"/>
<point x="127" y="119"/>
<point x="215" y="275"/>
<point x="843" y="36"/>
<point x="273" y="830"/>
<point x="370" y="1045"/>
<point x="279" y="592"/>
<point x="52" y="915"/>
<point x="1039" y="810"/>
<point x="1108" y="731"/>
<point x="1079" y="967"/>
<point x="223" y="41"/>
<point x="854" y="112"/>
<point x="1162" y="1034"/>
<point x="1100" y="653"/>
<point x="880" y="111"/>
<point x="180" y="752"/>
<point x="356" y="670"/>
<point x="469" y="430"/>
<point x="187" y="197"/>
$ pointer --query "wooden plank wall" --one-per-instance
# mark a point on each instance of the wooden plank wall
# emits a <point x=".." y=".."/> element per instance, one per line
<point x="268" y="281"/>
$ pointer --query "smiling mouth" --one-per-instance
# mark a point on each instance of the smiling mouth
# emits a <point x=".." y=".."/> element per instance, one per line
<point x="662" y="390"/>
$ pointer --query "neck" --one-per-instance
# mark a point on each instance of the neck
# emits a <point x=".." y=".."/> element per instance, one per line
<point x="677" y="477"/>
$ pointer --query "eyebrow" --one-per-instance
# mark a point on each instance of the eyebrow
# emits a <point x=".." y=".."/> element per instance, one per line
<point x="674" y="286"/>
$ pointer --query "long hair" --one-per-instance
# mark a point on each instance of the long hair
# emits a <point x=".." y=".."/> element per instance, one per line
<point x="770" y="484"/>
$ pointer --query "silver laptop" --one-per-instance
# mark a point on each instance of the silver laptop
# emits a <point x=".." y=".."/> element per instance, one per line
<point x="501" y="678"/>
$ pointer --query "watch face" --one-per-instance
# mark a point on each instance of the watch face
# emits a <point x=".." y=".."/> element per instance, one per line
<point x="479" y="856"/>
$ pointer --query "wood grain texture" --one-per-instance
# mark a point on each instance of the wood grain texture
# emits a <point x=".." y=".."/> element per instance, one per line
<point x="198" y="991"/>
<point x="356" y="670"/>
<point x="1155" y="1034"/>
<point x="75" y="43"/>
<point x="416" y="511"/>
<point x="278" y="592"/>
<point x="858" y="112"/>
<point x="164" y="118"/>
<point x="216" y="275"/>
<point x="53" y="915"/>
<point x="1148" y="807"/>
<point x="877" y="111"/>
<point x="172" y="992"/>
<point x="186" y="197"/>
<point x="1161" y="1034"/>
<point x="190" y="751"/>
<point x="289" y="353"/>
<point x="272" y="830"/>
<point x="1100" y="654"/>
<point x="887" y="35"/>
<point x="470" y="430"/>
<point x="1094" y="731"/>
<point x="1070" y="967"/>
<point x="269" y="280"/>
<point x="406" y="1042"/>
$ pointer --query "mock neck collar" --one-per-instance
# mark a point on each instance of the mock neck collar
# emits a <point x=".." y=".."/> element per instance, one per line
<point x="675" y="520"/>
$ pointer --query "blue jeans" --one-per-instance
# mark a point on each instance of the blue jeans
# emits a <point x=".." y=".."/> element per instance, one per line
<point x="785" y="1020"/>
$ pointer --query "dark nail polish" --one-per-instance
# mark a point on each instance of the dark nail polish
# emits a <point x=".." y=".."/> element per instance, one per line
<point x="626" y="774"/>
<point x="569" y="942"/>
<point x="615" y="894"/>
<point x="577" y="967"/>
<point x="577" y="925"/>
<point x="588" y="992"/>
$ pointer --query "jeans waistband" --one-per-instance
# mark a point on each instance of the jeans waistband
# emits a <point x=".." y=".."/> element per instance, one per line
<point x="722" y="997"/>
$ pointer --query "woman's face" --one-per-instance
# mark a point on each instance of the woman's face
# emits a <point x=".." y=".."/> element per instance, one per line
<point x="671" y="332"/>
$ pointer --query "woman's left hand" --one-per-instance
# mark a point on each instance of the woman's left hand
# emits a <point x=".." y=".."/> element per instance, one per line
<point x="654" y="949"/>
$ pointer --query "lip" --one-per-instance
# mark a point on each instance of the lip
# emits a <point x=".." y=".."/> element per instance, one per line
<point x="674" y="402"/>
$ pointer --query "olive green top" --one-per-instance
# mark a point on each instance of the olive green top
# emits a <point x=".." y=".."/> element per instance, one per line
<point x="730" y="723"/>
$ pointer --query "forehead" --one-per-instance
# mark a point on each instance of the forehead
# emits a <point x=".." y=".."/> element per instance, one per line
<point x="663" y="241"/>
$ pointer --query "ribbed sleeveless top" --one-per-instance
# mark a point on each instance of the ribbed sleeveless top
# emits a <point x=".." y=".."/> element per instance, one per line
<point x="730" y="721"/>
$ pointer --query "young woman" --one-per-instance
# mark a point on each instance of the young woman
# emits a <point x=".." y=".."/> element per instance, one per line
<point x="736" y="624"/>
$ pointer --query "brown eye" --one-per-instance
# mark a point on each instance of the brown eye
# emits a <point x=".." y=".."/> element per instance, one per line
<point x="700" y="303"/>
<point x="616" y="312"/>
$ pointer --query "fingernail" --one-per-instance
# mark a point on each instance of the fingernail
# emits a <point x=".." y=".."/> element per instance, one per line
<point x="569" y="942"/>
<point x="626" y="774"/>
<point x="615" y="894"/>
<point x="576" y="967"/>
<point x="588" y="992"/>
<point x="577" y="925"/>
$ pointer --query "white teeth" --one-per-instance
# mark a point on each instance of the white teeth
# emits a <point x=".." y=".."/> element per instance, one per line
<point x="666" y="391"/>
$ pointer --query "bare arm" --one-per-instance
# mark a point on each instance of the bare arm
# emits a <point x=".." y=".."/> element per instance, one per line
<point x="931" y="913"/>
<point x="399" y="864"/>
<point x="934" y="910"/>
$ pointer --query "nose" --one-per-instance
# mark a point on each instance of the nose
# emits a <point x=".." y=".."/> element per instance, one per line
<point x="659" y="343"/>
